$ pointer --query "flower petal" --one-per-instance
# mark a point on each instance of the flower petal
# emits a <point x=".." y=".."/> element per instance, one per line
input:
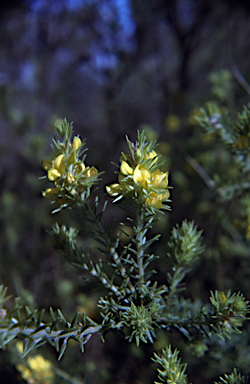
<point x="160" y="179"/>
<point x="69" y="178"/>
<point x="77" y="142"/>
<point x="114" y="189"/>
<point x="125" y="168"/>
<point x="50" y="193"/>
<point x="59" y="163"/>
<point x="140" y="173"/>
<point x="46" y="164"/>
<point x="53" y="174"/>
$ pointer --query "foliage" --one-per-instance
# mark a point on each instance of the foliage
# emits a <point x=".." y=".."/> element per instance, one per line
<point x="135" y="305"/>
<point x="234" y="134"/>
<point x="173" y="370"/>
<point x="234" y="378"/>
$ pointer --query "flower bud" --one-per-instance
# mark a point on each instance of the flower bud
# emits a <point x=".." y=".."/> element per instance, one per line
<point x="92" y="172"/>
<point x="77" y="142"/>
<point x="69" y="178"/>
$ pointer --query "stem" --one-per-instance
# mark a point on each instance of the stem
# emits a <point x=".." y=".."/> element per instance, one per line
<point x="46" y="334"/>
<point x="140" y="241"/>
<point x="183" y="322"/>
<point x="111" y="250"/>
<point x="176" y="278"/>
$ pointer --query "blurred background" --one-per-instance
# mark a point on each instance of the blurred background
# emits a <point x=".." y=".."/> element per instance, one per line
<point x="113" y="67"/>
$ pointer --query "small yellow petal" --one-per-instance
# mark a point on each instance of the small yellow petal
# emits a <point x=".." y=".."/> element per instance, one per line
<point x="125" y="168"/>
<point x="79" y="168"/>
<point x="50" y="193"/>
<point x="142" y="176"/>
<point x="222" y="297"/>
<point x="70" y="178"/>
<point x="152" y="155"/>
<point x="160" y="179"/>
<point x="72" y="157"/>
<point x="154" y="200"/>
<point x="77" y="142"/>
<point x="53" y="174"/>
<point x="138" y="153"/>
<point x="114" y="189"/>
<point x="59" y="163"/>
<point x="46" y="164"/>
<point x="165" y="196"/>
<point x="92" y="172"/>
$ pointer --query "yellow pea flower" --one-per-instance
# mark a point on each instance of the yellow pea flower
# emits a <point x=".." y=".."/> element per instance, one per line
<point x="46" y="164"/>
<point x="38" y="363"/>
<point x="138" y="153"/>
<point x="159" y="179"/>
<point x="79" y="168"/>
<point x="165" y="196"/>
<point x="152" y="155"/>
<point x="222" y="297"/>
<point x="125" y="168"/>
<point x="77" y="142"/>
<point x="50" y="193"/>
<point x="70" y="178"/>
<point x="114" y="189"/>
<point x="142" y="176"/>
<point x="59" y="163"/>
<point x="92" y="172"/>
<point x="154" y="200"/>
<point x="53" y="174"/>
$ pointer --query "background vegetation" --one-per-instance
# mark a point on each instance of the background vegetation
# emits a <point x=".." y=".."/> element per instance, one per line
<point x="113" y="67"/>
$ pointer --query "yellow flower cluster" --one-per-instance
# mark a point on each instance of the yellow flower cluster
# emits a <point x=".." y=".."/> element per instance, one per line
<point x="39" y="370"/>
<point x="141" y="180"/>
<point x="68" y="173"/>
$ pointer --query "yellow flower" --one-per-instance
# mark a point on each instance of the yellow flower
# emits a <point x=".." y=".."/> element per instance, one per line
<point x="125" y="168"/>
<point x="70" y="178"/>
<point x="55" y="168"/>
<point x="46" y="164"/>
<point x="19" y="346"/>
<point x="59" y="163"/>
<point x="91" y="172"/>
<point x="50" y="193"/>
<point x="222" y="297"/>
<point x="139" y="178"/>
<point x="114" y="189"/>
<point x="159" y="179"/>
<point x="77" y="142"/>
<point x="155" y="200"/>
<point x="72" y="156"/>
<point x="53" y="174"/>
<point x="142" y="176"/>
<point x="38" y="363"/>
<point x="79" y="168"/>
<point x="26" y="373"/>
<point x="152" y="155"/>
<point x="138" y="153"/>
